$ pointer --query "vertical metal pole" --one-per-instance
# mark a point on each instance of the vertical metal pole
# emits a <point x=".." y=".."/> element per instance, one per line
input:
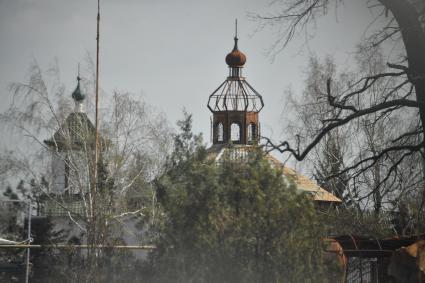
<point x="96" y="145"/>
<point x="93" y="217"/>
<point x="27" y="271"/>
<point x="97" y="101"/>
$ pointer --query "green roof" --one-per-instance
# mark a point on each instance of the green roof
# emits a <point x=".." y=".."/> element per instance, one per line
<point x="77" y="132"/>
<point x="77" y="95"/>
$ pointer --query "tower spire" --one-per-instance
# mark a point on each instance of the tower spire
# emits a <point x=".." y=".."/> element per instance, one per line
<point x="77" y="94"/>
<point x="78" y="74"/>
<point x="236" y="28"/>
<point x="235" y="104"/>
<point x="235" y="48"/>
<point x="235" y="59"/>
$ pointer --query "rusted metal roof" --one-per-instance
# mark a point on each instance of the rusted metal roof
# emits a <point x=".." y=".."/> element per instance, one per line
<point x="370" y="247"/>
<point x="235" y="58"/>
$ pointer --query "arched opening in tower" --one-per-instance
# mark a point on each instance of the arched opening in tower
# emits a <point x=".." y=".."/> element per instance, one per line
<point x="251" y="132"/>
<point x="235" y="132"/>
<point x="220" y="132"/>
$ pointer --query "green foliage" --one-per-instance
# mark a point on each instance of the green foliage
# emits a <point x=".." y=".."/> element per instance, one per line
<point x="48" y="263"/>
<point x="409" y="212"/>
<point x="186" y="143"/>
<point x="238" y="221"/>
<point x="351" y="221"/>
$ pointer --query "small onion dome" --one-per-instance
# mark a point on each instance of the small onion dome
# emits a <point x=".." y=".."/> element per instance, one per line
<point x="235" y="58"/>
<point x="77" y="95"/>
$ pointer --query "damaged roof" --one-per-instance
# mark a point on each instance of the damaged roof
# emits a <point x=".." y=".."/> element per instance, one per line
<point x="302" y="182"/>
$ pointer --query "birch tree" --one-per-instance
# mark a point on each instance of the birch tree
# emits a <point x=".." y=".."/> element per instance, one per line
<point x="134" y="140"/>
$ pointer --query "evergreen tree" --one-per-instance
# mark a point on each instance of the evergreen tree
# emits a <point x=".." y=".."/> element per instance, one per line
<point x="239" y="221"/>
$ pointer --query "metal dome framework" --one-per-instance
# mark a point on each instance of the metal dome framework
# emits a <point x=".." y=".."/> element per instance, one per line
<point x="235" y="94"/>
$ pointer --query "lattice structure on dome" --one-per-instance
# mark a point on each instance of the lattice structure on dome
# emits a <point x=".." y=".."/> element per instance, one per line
<point x="235" y="94"/>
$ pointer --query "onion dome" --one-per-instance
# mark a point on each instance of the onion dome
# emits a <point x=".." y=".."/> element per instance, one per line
<point x="235" y="58"/>
<point x="77" y="95"/>
<point x="235" y="93"/>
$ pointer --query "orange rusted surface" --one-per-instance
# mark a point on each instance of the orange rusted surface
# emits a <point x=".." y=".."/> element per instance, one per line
<point x="407" y="264"/>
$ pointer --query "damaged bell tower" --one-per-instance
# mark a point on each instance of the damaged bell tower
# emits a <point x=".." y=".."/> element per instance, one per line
<point x="235" y="105"/>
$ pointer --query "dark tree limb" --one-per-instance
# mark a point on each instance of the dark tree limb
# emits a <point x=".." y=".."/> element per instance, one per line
<point x="374" y="158"/>
<point x="332" y="99"/>
<point x="285" y="147"/>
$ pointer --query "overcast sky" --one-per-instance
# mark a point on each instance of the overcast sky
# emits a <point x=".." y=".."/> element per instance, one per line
<point x="171" y="52"/>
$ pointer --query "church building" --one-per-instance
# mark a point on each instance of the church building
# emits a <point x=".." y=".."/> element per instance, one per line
<point x="72" y="150"/>
<point x="235" y="107"/>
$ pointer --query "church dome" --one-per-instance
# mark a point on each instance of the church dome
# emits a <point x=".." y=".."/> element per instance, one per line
<point x="235" y="58"/>
<point x="77" y="95"/>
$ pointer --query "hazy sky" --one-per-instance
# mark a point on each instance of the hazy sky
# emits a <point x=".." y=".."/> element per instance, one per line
<point x="171" y="52"/>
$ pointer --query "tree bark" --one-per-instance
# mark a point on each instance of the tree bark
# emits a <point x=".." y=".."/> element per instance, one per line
<point x="413" y="36"/>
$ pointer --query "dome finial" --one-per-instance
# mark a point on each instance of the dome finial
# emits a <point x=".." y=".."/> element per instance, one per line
<point x="235" y="48"/>
<point x="236" y="28"/>
<point x="78" y="74"/>
<point x="236" y="58"/>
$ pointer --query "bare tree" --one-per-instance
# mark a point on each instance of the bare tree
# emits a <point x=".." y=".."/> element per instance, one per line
<point x="304" y="116"/>
<point x="134" y="142"/>
<point x="398" y="89"/>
